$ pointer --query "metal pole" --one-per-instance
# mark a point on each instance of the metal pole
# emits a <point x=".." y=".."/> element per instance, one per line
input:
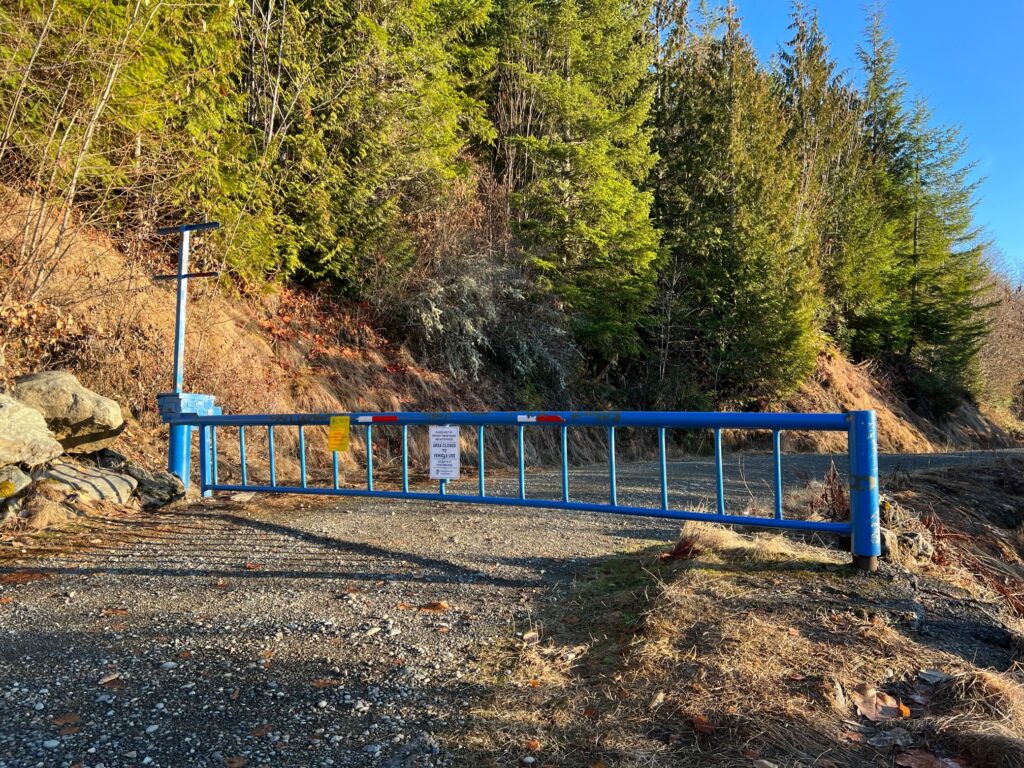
<point x="480" y="459"/>
<point x="777" y="454"/>
<point x="719" y="480"/>
<point x="866" y="543"/>
<point x="180" y="441"/>
<point x="522" y="464"/>
<point x="565" y="463"/>
<point x="613" y="492"/>
<point x="179" y="313"/>
<point x="204" y="460"/>
<point x="664" y="467"/>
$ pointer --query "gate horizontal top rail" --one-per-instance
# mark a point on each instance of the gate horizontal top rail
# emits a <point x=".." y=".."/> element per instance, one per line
<point x="817" y="422"/>
<point x="862" y="528"/>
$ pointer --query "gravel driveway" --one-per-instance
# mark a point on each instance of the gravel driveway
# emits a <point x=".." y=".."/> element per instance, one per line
<point x="287" y="631"/>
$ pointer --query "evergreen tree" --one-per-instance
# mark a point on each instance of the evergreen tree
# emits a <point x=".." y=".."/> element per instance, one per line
<point x="361" y="114"/>
<point x="570" y="104"/>
<point x="916" y="227"/>
<point x="947" y="274"/>
<point x="824" y="114"/>
<point x="739" y="294"/>
<point x="882" y="202"/>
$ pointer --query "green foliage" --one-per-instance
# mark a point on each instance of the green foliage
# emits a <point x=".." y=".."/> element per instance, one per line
<point x="550" y="189"/>
<point x="570" y="102"/>
<point x="914" y="228"/>
<point x="739" y="296"/>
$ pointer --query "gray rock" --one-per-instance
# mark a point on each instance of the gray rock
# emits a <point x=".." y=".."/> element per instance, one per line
<point x="10" y="512"/>
<point x="917" y="544"/>
<point x="82" y="420"/>
<point x="90" y="483"/>
<point x="890" y="542"/>
<point x="12" y="482"/>
<point x="155" y="489"/>
<point x="24" y="436"/>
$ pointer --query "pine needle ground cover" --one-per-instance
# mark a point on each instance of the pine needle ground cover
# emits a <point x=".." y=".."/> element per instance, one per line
<point x="733" y="650"/>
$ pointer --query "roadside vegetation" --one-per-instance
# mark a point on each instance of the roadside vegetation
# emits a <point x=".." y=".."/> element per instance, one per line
<point x="589" y="204"/>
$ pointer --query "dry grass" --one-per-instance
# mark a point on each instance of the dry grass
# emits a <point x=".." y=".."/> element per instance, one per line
<point x="744" y="648"/>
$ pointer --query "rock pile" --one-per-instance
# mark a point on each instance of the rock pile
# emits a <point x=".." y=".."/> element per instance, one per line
<point x="55" y="438"/>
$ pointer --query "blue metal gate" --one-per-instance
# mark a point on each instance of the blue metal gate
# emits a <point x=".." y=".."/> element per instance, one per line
<point x="862" y="528"/>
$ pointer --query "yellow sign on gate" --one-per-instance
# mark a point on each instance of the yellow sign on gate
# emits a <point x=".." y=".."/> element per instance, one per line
<point x="337" y="434"/>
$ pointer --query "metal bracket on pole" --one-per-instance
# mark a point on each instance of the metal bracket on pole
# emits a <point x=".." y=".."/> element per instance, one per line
<point x="178" y="402"/>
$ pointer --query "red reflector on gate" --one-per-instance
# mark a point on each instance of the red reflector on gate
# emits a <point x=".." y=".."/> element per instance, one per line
<point x="550" y="419"/>
<point x="384" y="418"/>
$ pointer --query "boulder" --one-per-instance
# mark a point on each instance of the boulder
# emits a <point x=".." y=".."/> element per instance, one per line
<point x="917" y="544"/>
<point x="90" y="483"/>
<point x="82" y="420"/>
<point x="24" y="436"/>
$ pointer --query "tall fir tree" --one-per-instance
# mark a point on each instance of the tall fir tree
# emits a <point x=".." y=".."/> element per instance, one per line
<point x="570" y="104"/>
<point x="916" y="229"/>
<point x="824" y="113"/>
<point x="739" y="294"/>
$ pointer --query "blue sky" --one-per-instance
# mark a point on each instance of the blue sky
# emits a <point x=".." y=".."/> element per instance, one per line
<point x="967" y="59"/>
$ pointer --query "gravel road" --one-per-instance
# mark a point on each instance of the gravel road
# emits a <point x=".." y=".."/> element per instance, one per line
<point x="286" y="631"/>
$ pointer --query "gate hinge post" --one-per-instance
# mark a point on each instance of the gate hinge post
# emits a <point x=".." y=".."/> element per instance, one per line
<point x="866" y="541"/>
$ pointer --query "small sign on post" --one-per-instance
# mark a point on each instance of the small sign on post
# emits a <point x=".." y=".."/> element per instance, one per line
<point x="337" y="434"/>
<point x="444" y="453"/>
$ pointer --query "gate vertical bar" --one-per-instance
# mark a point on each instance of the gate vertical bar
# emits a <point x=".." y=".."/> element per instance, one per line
<point x="270" y="450"/>
<point x="866" y="544"/>
<point x="302" y="454"/>
<point x="777" y="454"/>
<point x="613" y="492"/>
<point x="241" y="455"/>
<point x="213" y="454"/>
<point x="664" y="467"/>
<point x="565" y="463"/>
<point x="334" y="468"/>
<point x="369" y="457"/>
<point x="405" y="458"/>
<point x="522" y="465"/>
<point x="204" y="460"/>
<point x="719" y="480"/>
<point x="480" y="458"/>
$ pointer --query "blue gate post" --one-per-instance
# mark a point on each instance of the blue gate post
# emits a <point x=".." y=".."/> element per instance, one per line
<point x="179" y="446"/>
<point x="866" y="543"/>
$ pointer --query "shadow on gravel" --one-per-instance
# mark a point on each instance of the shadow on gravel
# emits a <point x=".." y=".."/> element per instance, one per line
<point x="223" y="556"/>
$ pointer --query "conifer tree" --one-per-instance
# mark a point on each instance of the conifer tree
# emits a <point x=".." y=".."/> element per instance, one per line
<point x="824" y="132"/>
<point x="571" y="100"/>
<point x="739" y="291"/>
<point x="917" y="230"/>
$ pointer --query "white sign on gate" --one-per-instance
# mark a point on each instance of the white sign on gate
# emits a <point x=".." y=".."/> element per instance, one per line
<point x="444" y="453"/>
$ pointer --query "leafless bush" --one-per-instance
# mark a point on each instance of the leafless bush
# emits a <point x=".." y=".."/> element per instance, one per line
<point x="467" y="301"/>
<point x="1002" y="356"/>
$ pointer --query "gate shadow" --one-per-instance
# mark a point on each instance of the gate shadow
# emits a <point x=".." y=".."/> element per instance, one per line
<point x="228" y="559"/>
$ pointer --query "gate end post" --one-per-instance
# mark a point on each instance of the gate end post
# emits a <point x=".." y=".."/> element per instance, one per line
<point x="866" y="541"/>
<point x="179" y="449"/>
